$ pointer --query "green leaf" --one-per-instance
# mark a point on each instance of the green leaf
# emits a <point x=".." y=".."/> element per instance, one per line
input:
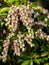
<point x="23" y="29"/>
<point x="14" y="37"/>
<point x="17" y="2"/>
<point x="42" y="60"/>
<point x="39" y="59"/>
<point x="0" y="48"/>
<point x="46" y="64"/>
<point x="26" y="62"/>
<point x="1" y="24"/>
<point x="31" y="62"/>
<point x="42" y="17"/>
<point x="10" y="2"/>
<point x="8" y="58"/>
<point x="46" y="58"/>
<point x="3" y="14"/>
<point x="20" y="60"/>
<point x="1" y="40"/>
<point x="24" y="1"/>
<point x="5" y="9"/>
<point x="33" y="5"/>
<point x="43" y="54"/>
<point x="48" y="22"/>
<point x="36" y="61"/>
<point x="36" y="42"/>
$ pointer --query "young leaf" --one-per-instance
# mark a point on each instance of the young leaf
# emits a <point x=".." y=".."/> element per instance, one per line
<point x="5" y="9"/>
<point x="37" y="61"/>
<point x="31" y="62"/>
<point x="10" y="2"/>
<point x="44" y="54"/>
<point x="46" y="64"/>
<point x="26" y="62"/>
<point x="33" y="5"/>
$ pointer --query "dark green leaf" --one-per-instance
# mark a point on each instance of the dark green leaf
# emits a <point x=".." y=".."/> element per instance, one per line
<point x="1" y="24"/>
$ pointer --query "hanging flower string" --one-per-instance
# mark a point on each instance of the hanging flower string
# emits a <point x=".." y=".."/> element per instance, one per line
<point x="22" y="14"/>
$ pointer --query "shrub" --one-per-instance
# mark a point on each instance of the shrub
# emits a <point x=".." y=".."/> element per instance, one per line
<point x="24" y="33"/>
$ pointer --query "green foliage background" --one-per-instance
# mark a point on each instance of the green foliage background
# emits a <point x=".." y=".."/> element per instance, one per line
<point x="31" y="56"/>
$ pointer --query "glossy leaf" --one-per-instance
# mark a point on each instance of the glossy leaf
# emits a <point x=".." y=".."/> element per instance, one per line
<point x="5" y="9"/>
<point x="43" y="54"/>
<point x="36" y="61"/>
<point x="31" y="62"/>
<point x="26" y="62"/>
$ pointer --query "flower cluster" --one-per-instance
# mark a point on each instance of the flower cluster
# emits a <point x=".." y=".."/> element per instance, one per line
<point x="41" y="34"/>
<point x="28" y="17"/>
<point x="16" y="15"/>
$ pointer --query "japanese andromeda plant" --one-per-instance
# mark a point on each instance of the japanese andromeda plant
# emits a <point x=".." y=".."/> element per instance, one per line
<point x="22" y="24"/>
